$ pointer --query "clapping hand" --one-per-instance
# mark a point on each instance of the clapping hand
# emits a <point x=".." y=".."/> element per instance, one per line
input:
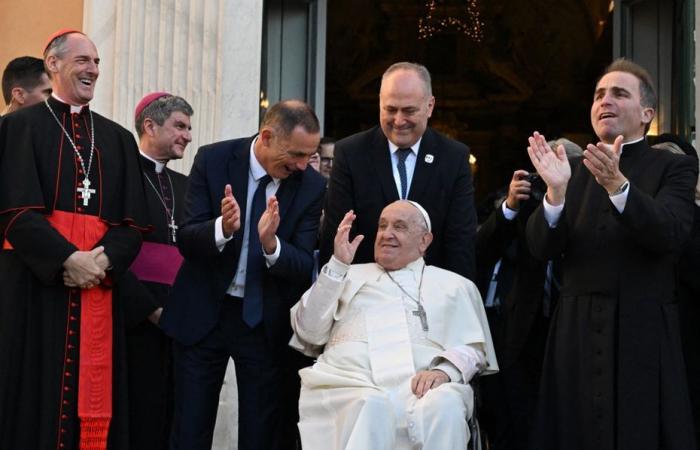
<point x="552" y="165"/>
<point x="268" y="224"/>
<point x="603" y="161"/>
<point x="230" y="213"/>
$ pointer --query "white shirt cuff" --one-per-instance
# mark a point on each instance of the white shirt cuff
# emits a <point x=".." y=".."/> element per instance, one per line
<point x="620" y="200"/>
<point x="219" y="238"/>
<point x="469" y="359"/>
<point x="552" y="213"/>
<point x="335" y="269"/>
<point x="450" y="370"/>
<point x="508" y="213"/>
<point x="270" y="260"/>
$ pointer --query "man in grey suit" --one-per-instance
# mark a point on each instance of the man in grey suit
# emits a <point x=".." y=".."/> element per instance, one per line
<point x="403" y="158"/>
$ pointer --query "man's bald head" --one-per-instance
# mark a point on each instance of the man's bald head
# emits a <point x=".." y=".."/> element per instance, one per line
<point x="403" y="235"/>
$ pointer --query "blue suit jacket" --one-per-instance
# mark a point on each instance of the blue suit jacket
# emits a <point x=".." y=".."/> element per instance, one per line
<point x="201" y="284"/>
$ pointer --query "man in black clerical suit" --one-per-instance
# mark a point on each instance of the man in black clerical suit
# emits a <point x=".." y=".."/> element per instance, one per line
<point x="252" y="210"/>
<point x="72" y="207"/>
<point x="403" y="158"/>
<point x="163" y="125"/>
<point x="613" y="375"/>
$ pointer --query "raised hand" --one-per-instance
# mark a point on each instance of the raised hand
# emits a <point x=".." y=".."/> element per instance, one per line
<point x="268" y="224"/>
<point x="603" y="161"/>
<point x="343" y="249"/>
<point x="230" y="213"/>
<point x="552" y="165"/>
<point x="518" y="190"/>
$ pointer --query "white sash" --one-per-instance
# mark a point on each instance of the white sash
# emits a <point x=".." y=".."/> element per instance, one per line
<point x="390" y="352"/>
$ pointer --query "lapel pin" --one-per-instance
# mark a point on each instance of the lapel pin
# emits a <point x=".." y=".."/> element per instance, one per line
<point x="429" y="158"/>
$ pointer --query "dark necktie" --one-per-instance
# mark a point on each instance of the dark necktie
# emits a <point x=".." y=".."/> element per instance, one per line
<point x="253" y="300"/>
<point x="402" y="153"/>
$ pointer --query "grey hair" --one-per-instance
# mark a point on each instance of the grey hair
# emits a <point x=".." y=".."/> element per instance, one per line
<point x="58" y="48"/>
<point x="572" y="149"/>
<point x="160" y="109"/>
<point x="419" y="69"/>
<point x="285" y="116"/>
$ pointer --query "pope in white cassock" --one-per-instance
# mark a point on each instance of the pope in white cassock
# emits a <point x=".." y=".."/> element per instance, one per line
<point x="397" y="344"/>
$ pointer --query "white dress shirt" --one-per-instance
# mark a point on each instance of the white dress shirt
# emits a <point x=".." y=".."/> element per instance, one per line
<point x="256" y="172"/>
<point x="410" y="165"/>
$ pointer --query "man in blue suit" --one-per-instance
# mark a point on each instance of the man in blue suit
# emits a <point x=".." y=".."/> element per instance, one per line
<point x="252" y="210"/>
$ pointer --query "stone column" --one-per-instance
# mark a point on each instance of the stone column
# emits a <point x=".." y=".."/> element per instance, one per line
<point x="208" y="52"/>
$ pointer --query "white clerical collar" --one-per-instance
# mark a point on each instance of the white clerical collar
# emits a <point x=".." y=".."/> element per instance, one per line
<point x="414" y="148"/>
<point x="256" y="169"/>
<point x="73" y="108"/>
<point x="622" y="147"/>
<point x="159" y="165"/>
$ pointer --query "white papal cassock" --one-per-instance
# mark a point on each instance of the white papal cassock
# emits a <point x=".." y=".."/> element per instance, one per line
<point x="358" y="395"/>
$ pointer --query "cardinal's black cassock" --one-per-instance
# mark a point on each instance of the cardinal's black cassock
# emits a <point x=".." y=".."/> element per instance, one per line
<point x="62" y="376"/>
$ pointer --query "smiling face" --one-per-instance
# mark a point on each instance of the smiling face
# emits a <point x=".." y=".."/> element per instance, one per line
<point x="171" y="138"/>
<point x="617" y="108"/>
<point x="401" y="236"/>
<point x="281" y="156"/>
<point x="404" y="107"/>
<point x="75" y="72"/>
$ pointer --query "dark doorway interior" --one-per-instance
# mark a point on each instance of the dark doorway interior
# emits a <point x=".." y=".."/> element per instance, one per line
<point x="533" y="69"/>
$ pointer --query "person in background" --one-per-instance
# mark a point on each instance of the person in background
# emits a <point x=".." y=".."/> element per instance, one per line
<point x="162" y="123"/>
<point x="24" y="83"/>
<point x="688" y="285"/>
<point x="326" y="152"/>
<point x="520" y="294"/>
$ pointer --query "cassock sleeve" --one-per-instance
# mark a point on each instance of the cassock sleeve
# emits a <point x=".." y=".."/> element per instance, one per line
<point x="22" y="223"/>
<point x="545" y="242"/>
<point x="122" y="244"/>
<point x="662" y="223"/>
<point x="313" y="316"/>
<point x="38" y="244"/>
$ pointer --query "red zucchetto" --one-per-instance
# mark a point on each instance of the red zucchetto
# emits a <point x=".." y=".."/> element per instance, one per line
<point x="58" y="34"/>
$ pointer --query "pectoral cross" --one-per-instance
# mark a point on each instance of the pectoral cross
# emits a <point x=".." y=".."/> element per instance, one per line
<point x="420" y="312"/>
<point x="85" y="191"/>
<point x="173" y="229"/>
